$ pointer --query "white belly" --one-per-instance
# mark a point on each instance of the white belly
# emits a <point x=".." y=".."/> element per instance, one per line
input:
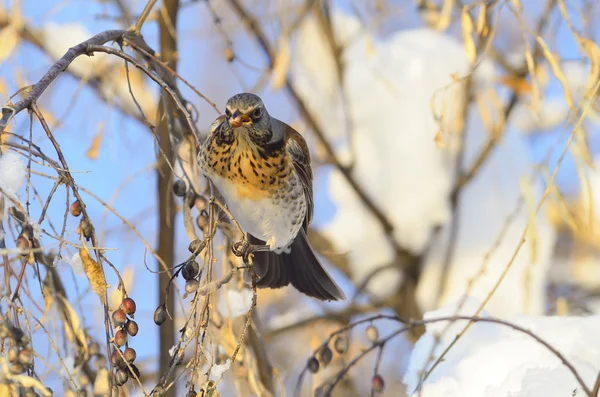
<point x="273" y="221"/>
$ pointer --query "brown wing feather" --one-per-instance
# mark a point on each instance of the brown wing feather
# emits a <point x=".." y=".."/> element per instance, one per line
<point x="298" y="149"/>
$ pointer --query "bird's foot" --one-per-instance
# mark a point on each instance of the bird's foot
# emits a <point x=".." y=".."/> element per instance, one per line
<point x="244" y="250"/>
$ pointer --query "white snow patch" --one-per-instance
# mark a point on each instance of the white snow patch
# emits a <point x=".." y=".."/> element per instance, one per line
<point x="58" y="38"/>
<point x="172" y="350"/>
<point x="389" y="87"/>
<point x="235" y="303"/>
<point x="485" y="205"/>
<point x="218" y="370"/>
<point x="77" y="265"/>
<point x="495" y="361"/>
<point x="12" y="173"/>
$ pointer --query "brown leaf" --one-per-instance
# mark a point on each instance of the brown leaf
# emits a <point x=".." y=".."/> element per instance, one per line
<point x="94" y="273"/>
<point x="94" y="149"/>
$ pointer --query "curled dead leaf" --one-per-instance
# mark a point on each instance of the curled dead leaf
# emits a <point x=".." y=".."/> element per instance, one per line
<point x="95" y="273"/>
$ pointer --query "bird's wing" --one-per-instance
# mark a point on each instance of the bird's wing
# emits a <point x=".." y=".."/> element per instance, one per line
<point x="216" y="124"/>
<point x="298" y="150"/>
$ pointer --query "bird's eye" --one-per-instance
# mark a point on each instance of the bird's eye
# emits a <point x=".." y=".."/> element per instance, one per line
<point x="227" y="113"/>
<point x="257" y="113"/>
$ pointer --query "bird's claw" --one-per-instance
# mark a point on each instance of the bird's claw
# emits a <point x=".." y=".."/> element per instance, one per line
<point x="243" y="249"/>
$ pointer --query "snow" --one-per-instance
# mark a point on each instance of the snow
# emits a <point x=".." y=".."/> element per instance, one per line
<point x="12" y="173"/>
<point x="58" y="38"/>
<point x="218" y="370"/>
<point x="484" y="206"/>
<point x="393" y="134"/>
<point x="77" y="265"/>
<point x="235" y="303"/>
<point x="408" y="176"/>
<point x="110" y="70"/>
<point x="495" y="361"/>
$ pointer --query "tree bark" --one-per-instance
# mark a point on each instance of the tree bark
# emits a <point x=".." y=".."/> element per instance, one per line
<point x="166" y="207"/>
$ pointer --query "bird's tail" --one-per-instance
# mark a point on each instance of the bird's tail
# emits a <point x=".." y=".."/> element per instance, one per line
<point x="300" y="267"/>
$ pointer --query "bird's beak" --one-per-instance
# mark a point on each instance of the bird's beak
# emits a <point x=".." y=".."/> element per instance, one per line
<point x="237" y="119"/>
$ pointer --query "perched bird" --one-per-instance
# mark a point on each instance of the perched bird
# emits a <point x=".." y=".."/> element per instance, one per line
<point x="261" y="167"/>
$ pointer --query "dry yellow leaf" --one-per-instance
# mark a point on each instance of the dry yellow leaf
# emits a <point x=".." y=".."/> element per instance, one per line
<point x="281" y="64"/>
<point x="73" y="329"/>
<point x="593" y="53"/>
<point x="439" y="140"/>
<point x="445" y="15"/>
<point x="556" y="70"/>
<point x="482" y="20"/>
<point x="94" y="273"/>
<point x="9" y="38"/>
<point x="467" y="30"/>
<point x="116" y="296"/>
<point x="94" y="149"/>
<point x="3" y="88"/>
<point x="517" y="4"/>
<point x="532" y="232"/>
<point x="517" y="84"/>
<point x="582" y="147"/>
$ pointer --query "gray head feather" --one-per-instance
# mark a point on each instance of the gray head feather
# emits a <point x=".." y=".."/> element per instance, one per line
<point x="260" y="129"/>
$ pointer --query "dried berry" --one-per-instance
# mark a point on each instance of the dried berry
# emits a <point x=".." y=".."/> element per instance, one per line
<point x="24" y="244"/>
<point x="340" y="344"/>
<point x="94" y="348"/>
<point x="120" y="337"/>
<point x="196" y="246"/>
<point x="117" y="359"/>
<point x="128" y="305"/>
<point x="313" y="365"/>
<point x="191" y="286"/>
<point x="134" y="371"/>
<point x="325" y="355"/>
<point x="13" y="354"/>
<point x="160" y="315"/>
<point x="16" y="369"/>
<point x="372" y="333"/>
<point x="100" y="362"/>
<point x="190" y="270"/>
<point x="86" y="228"/>
<point x="75" y="208"/>
<point x="119" y="318"/>
<point x="179" y="188"/>
<point x="25" y="356"/>
<point x="201" y="203"/>
<point x="377" y="383"/>
<point x="132" y="328"/>
<point x="202" y="222"/>
<point x="4" y="331"/>
<point x="129" y="355"/>
<point x="121" y="377"/>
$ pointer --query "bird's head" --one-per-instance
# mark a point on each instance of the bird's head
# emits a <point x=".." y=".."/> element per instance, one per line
<point x="247" y="113"/>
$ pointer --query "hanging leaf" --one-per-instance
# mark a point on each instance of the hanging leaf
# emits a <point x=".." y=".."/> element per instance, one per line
<point x="95" y="273"/>
<point x="467" y="30"/>
<point x="281" y="64"/>
<point x="552" y="61"/>
<point x="94" y="150"/>
<point x="9" y="38"/>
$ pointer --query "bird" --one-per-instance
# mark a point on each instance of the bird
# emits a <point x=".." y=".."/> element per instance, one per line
<point x="261" y="168"/>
